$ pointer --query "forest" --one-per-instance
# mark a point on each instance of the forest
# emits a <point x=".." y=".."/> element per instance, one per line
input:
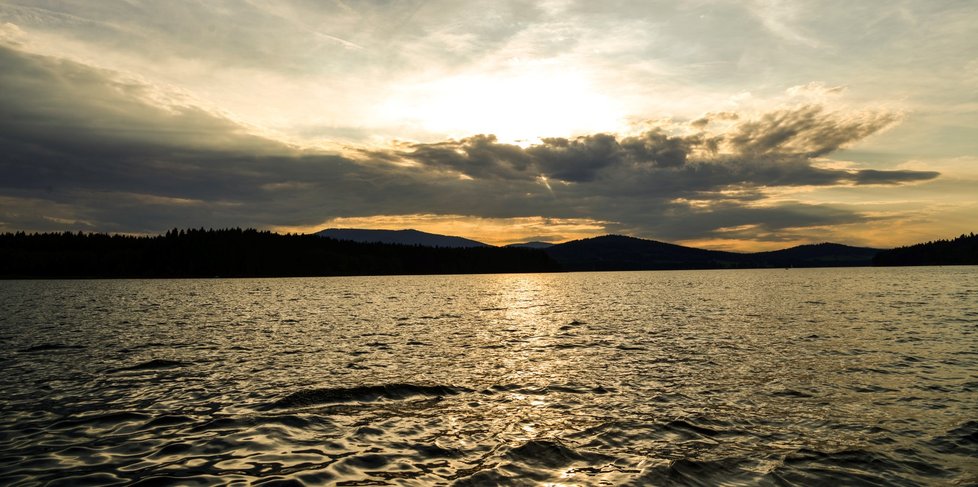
<point x="243" y="253"/>
<point x="959" y="251"/>
<point x="253" y="253"/>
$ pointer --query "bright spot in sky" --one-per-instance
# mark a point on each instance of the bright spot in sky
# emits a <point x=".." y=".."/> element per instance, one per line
<point x="542" y="101"/>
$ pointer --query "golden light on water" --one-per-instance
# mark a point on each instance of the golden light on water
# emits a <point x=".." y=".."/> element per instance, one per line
<point x="564" y="378"/>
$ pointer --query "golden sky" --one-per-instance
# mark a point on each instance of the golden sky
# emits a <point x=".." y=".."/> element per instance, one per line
<point x="741" y="125"/>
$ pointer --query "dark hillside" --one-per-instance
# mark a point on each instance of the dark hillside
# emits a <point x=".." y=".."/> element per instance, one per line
<point x="816" y="255"/>
<point x="401" y="237"/>
<point x="959" y="251"/>
<point x="620" y="253"/>
<point x="243" y="253"/>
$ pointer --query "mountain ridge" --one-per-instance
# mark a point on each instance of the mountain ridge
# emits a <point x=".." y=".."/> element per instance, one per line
<point x="620" y="252"/>
<point x="533" y="244"/>
<point x="407" y="236"/>
<point x="254" y="253"/>
<point x="623" y="252"/>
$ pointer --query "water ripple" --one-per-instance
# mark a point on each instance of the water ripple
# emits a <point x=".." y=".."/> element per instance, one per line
<point x="770" y="377"/>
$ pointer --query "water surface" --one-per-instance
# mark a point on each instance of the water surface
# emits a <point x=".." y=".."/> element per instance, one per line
<point x="771" y="377"/>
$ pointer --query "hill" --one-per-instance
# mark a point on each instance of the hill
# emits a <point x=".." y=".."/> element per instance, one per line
<point x="532" y="245"/>
<point x="619" y="253"/>
<point x="959" y="251"/>
<point x="399" y="237"/>
<point x="816" y="255"/>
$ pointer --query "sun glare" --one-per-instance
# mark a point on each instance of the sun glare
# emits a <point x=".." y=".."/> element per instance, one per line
<point x="517" y="107"/>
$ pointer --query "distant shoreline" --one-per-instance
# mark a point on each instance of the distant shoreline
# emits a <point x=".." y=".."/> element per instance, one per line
<point x="236" y="253"/>
<point x="202" y="278"/>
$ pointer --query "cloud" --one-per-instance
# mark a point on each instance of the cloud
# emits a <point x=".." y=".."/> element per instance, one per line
<point x="807" y="130"/>
<point x="67" y="107"/>
<point x="479" y="156"/>
<point x="576" y="160"/>
<point x="779" y="18"/>
<point x="659" y="149"/>
<point x="873" y="176"/>
<point x="247" y="35"/>
<point x="89" y="148"/>
<point x="775" y="149"/>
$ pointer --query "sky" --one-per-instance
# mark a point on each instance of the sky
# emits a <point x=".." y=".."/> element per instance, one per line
<point x="736" y="125"/>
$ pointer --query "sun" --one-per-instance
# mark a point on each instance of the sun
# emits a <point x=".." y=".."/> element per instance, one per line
<point x="517" y="105"/>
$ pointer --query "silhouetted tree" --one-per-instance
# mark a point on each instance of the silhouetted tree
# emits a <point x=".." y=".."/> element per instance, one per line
<point x="959" y="251"/>
<point x="243" y="253"/>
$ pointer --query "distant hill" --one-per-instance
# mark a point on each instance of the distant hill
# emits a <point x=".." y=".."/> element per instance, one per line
<point x="400" y="237"/>
<point x="960" y="251"/>
<point x="532" y="245"/>
<point x="617" y="252"/>
<point x="621" y="253"/>
<point x="816" y="255"/>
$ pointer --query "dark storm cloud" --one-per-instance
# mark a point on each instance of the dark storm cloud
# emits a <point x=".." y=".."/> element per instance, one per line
<point x="576" y="160"/>
<point x="480" y="156"/>
<point x="83" y="148"/>
<point x="777" y="150"/>
<point x="657" y="148"/>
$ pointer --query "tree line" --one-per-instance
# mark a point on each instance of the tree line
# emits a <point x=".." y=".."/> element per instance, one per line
<point x="962" y="250"/>
<point x="243" y="253"/>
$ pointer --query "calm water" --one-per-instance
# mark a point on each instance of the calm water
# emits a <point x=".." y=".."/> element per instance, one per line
<point x="771" y="377"/>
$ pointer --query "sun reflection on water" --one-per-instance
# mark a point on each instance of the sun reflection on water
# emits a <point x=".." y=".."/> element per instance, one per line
<point x="564" y="379"/>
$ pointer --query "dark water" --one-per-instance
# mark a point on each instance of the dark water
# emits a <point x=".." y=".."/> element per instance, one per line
<point x="771" y="377"/>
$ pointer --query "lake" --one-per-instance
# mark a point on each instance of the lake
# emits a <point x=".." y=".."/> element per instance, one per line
<point x="770" y="377"/>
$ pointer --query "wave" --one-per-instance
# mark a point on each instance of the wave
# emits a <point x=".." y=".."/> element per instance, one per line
<point x="535" y="461"/>
<point x="45" y="347"/>
<point x="539" y="391"/>
<point x="155" y="364"/>
<point x="961" y="440"/>
<point x="687" y="471"/>
<point x="332" y="395"/>
<point x="847" y="467"/>
<point x="550" y="453"/>
<point x="108" y="419"/>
